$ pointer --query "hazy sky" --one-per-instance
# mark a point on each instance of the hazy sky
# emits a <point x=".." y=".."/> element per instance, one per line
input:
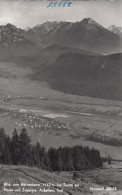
<point x="27" y="13"/>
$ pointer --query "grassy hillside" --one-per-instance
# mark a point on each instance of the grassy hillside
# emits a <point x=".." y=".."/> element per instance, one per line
<point x="109" y="176"/>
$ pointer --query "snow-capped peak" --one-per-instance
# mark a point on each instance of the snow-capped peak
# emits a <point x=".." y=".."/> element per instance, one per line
<point x="115" y="29"/>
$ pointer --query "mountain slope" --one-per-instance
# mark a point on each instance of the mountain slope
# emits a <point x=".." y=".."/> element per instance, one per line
<point x="116" y="29"/>
<point x="76" y="71"/>
<point x="108" y="176"/>
<point x="87" y="75"/>
<point x="52" y="52"/>
<point x="46" y="57"/>
<point x="86" y="34"/>
<point x="13" y="42"/>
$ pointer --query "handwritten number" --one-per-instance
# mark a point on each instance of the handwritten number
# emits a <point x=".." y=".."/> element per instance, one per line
<point x="64" y="4"/>
<point x="60" y="4"/>
<point x="69" y="4"/>
<point x="53" y="4"/>
<point x="50" y="4"/>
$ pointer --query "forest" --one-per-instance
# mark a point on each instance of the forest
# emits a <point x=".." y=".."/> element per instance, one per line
<point x="18" y="150"/>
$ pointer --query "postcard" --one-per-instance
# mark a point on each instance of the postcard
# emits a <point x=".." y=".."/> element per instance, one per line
<point x="61" y="97"/>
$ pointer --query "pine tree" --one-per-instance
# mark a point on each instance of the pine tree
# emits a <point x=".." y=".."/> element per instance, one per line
<point x="41" y="152"/>
<point x="35" y="156"/>
<point x="60" y="160"/>
<point x="15" y="148"/>
<point x="25" y="148"/>
<point x="53" y="159"/>
<point x="5" y="155"/>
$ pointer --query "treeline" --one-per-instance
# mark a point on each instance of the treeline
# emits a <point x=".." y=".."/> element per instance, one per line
<point x="18" y="150"/>
<point x="105" y="139"/>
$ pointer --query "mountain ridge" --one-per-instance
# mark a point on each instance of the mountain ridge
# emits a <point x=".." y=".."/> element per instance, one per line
<point x="86" y="34"/>
<point x="13" y="42"/>
<point x="116" y="29"/>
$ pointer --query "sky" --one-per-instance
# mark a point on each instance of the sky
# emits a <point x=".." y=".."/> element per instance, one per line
<point x="28" y="13"/>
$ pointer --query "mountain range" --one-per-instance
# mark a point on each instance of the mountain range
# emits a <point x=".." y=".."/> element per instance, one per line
<point x="86" y="34"/>
<point x="82" y="58"/>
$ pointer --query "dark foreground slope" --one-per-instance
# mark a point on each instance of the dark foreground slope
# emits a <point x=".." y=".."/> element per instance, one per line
<point x="87" y="75"/>
<point x="109" y="176"/>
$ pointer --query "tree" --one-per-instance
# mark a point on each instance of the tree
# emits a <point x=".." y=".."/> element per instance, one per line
<point x="19" y="150"/>
<point x="15" y="148"/>
<point x="35" y="156"/>
<point x="5" y="155"/>
<point x="53" y="159"/>
<point x="25" y="148"/>
<point x="75" y="175"/>
<point x="43" y="157"/>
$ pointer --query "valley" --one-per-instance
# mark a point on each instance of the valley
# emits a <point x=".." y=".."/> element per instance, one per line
<point x="57" y="119"/>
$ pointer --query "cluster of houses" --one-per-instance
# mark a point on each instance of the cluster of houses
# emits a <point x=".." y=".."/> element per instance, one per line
<point x="34" y="122"/>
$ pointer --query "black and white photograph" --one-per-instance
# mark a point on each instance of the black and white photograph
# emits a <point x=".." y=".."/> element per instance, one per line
<point x="60" y="97"/>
